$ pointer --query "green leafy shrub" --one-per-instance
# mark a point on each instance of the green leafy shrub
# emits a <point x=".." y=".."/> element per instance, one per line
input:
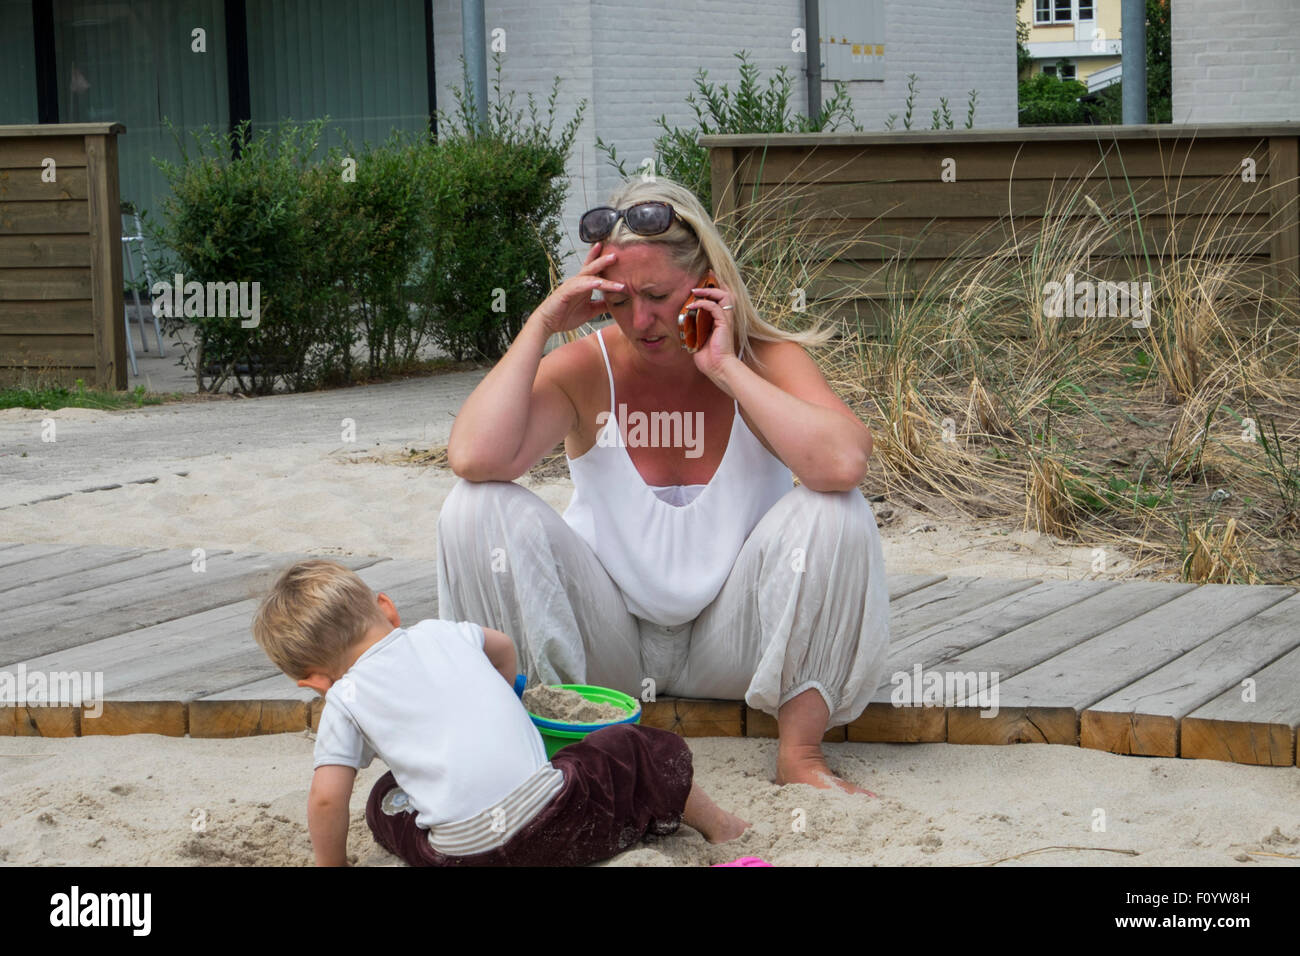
<point x="382" y="248"/>
<point x="678" y="153"/>
<point x="1046" y="100"/>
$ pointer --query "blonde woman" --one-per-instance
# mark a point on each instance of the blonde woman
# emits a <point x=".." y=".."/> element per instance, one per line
<point x="687" y="563"/>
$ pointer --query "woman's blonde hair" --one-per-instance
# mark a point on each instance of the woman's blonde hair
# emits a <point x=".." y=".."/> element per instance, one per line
<point x="313" y="613"/>
<point x="698" y="251"/>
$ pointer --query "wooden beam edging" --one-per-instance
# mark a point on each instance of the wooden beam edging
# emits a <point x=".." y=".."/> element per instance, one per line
<point x="106" y="261"/>
<point x="1284" y="195"/>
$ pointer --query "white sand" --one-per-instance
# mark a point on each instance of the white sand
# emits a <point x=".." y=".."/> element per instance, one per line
<point x="149" y="800"/>
<point x="302" y="500"/>
<point x="133" y="800"/>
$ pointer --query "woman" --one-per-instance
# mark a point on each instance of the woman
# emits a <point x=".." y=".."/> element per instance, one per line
<point x="692" y="566"/>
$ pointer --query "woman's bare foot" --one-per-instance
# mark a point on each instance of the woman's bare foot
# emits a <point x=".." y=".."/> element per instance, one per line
<point x="806" y="764"/>
<point x="714" y="823"/>
<point x="799" y="759"/>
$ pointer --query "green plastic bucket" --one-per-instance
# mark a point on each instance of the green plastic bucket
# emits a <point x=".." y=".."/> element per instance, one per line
<point x="557" y="734"/>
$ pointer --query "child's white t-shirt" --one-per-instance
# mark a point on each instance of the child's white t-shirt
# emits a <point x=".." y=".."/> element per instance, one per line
<point x="427" y="701"/>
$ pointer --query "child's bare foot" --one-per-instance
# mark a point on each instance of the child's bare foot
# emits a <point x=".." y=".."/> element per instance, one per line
<point x="796" y="764"/>
<point x="714" y="823"/>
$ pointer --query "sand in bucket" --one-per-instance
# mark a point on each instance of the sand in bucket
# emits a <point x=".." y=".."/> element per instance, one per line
<point x="568" y="706"/>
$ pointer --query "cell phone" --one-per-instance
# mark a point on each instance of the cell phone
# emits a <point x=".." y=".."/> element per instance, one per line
<point x="694" y="325"/>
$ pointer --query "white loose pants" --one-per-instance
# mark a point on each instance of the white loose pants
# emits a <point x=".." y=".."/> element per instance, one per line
<point x="805" y="605"/>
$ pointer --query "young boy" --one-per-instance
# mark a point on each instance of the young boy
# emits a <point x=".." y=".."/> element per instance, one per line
<point x="469" y="783"/>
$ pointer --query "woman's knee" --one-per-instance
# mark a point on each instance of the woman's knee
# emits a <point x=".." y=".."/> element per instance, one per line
<point x="473" y="506"/>
<point x="846" y="511"/>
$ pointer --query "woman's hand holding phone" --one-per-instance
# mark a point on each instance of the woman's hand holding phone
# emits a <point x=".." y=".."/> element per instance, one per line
<point x="694" y="323"/>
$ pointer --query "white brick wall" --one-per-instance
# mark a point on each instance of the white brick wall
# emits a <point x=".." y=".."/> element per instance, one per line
<point x="1234" y="61"/>
<point x="634" y="61"/>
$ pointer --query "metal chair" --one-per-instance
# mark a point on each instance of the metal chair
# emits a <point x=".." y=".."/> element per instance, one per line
<point x="131" y="242"/>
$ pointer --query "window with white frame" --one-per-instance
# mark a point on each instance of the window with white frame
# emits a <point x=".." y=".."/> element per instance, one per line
<point x="1047" y="12"/>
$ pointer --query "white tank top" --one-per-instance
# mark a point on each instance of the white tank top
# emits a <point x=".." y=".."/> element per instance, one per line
<point x="671" y="548"/>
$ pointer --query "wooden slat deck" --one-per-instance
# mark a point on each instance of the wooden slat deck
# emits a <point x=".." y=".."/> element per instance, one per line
<point x="1127" y="666"/>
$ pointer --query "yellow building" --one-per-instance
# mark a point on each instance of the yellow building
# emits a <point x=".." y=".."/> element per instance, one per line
<point x="1083" y="33"/>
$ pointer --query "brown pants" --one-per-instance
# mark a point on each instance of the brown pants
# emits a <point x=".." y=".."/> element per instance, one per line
<point x="621" y="784"/>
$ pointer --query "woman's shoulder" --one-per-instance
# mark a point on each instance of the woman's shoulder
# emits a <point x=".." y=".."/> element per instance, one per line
<point x="775" y="357"/>
<point x="578" y="369"/>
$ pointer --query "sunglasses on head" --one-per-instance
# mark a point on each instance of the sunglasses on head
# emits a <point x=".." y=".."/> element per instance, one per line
<point x="648" y="218"/>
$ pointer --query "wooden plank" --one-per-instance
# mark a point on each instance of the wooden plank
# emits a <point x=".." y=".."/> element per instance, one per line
<point x="1038" y="641"/>
<point x="37" y="351"/>
<point x="1043" y="704"/>
<point x="16" y="582"/>
<point x="887" y="237"/>
<point x="200" y="656"/>
<point x="1260" y="731"/>
<point x="129" y="567"/>
<point x="884" y="723"/>
<point x="106" y="274"/>
<point x="1284" y="204"/>
<point x="166" y="717"/>
<point x="975" y="161"/>
<point x="42" y="218"/>
<point x="945" y="600"/>
<point x="211" y="654"/>
<point x="723" y="186"/>
<point x="28" y="130"/>
<point x="44" y="251"/>
<point x="46" y="721"/>
<point x="900" y="585"/>
<point x="29" y="185"/>
<point x="272" y="705"/>
<point x="20" y="376"/>
<point x="55" y="317"/>
<point x="996" y="198"/>
<point x="277" y="687"/>
<point x="1144" y="717"/>
<point x="695" y="718"/>
<point x="65" y="149"/>
<point x="43" y="285"/>
<point x="911" y="656"/>
<point x="12" y="556"/>
<point x="1018" y="609"/>
<point x="118" y="608"/>
<point x="248" y="718"/>
<point x="1166" y="134"/>
<point x="149" y="675"/>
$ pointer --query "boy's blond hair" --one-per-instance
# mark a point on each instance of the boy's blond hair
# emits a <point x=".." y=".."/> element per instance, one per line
<point x="313" y="613"/>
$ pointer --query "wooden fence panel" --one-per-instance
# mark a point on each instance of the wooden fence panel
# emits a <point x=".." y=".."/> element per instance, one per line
<point x="61" y="296"/>
<point x="900" y="207"/>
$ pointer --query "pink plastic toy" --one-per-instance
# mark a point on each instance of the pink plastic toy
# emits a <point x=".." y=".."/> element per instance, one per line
<point x="745" y="861"/>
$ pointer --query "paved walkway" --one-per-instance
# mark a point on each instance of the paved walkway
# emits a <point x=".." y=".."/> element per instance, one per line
<point x="90" y="451"/>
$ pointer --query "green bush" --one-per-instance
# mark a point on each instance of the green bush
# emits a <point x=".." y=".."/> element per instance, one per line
<point x="680" y="157"/>
<point x="382" y="248"/>
<point x="495" y="223"/>
<point x="246" y="221"/>
<point x="1046" y="100"/>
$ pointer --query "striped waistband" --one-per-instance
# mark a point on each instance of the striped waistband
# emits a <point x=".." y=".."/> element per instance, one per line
<point x="498" y="823"/>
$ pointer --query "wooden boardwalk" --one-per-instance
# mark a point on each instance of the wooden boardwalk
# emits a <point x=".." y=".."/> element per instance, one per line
<point x="1130" y="667"/>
